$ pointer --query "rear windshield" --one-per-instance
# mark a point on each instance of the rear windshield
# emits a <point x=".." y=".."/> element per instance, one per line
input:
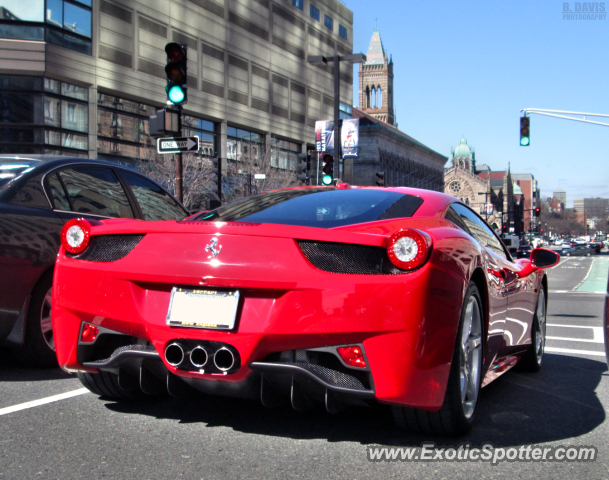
<point x="12" y="169"/>
<point x="316" y="207"/>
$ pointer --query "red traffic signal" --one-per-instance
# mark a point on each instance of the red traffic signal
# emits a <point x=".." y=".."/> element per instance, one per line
<point x="537" y="211"/>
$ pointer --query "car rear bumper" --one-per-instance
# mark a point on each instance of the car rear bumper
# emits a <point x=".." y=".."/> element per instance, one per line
<point x="405" y="326"/>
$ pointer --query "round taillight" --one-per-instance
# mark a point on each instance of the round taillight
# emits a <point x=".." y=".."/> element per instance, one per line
<point x="408" y="249"/>
<point x="75" y="235"/>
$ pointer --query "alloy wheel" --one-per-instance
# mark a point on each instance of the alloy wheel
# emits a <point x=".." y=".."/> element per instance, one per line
<point x="471" y="355"/>
<point x="46" y="319"/>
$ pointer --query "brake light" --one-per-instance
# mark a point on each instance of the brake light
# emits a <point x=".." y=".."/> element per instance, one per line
<point x="89" y="333"/>
<point x="75" y="235"/>
<point x="408" y="249"/>
<point x="352" y="356"/>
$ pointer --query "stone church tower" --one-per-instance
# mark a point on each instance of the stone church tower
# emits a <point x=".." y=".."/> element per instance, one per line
<point x="376" y="82"/>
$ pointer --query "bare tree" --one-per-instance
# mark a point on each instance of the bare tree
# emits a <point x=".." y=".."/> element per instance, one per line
<point x="197" y="176"/>
<point x="238" y="177"/>
<point x="278" y="170"/>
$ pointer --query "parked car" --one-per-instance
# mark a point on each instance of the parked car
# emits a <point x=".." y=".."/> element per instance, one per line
<point x="524" y="251"/>
<point x="578" y="250"/>
<point x="312" y="295"/>
<point x="38" y="194"/>
<point x="596" y="246"/>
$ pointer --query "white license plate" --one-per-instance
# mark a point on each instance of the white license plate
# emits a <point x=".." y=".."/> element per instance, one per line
<point x="203" y="308"/>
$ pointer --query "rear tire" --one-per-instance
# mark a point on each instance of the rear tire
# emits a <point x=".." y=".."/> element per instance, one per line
<point x="106" y="385"/>
<point x="456" y="416"/>
<point x="533" y="358"/>
<point x="38" y="349"/>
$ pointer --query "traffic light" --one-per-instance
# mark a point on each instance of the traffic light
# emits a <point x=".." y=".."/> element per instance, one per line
<point x="176" y="69"/>
<point x="525" y="131"/>
<point x="537" y="211"/>
<point x="327" y="169"/>
<point x="165" y="122"/>
<point x="303" y="167"/>
<point x="380" y="179"/>
<point x="216" y="178"/>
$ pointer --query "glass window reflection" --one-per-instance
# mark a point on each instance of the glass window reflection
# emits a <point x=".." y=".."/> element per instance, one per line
<point x="77" y="20"/>
<point x="54" y="13"/>
<point x="24" y="10"/>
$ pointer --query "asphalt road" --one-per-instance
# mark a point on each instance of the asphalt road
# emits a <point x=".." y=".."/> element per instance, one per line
<point x="81" y="436"/>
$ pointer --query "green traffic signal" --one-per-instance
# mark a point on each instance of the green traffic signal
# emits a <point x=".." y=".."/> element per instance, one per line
<point x="525" y="131"/>
<point x="327" y="180"/>
<point x="175" y="93"/>
<point x="176" y="71"/>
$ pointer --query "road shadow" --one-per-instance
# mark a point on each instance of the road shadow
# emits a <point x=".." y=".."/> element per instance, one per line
<point x="557" y="403"/>
<point x="12" y="371"/>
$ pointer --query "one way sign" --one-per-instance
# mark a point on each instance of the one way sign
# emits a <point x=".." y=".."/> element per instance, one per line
<point x="175" y="145"/>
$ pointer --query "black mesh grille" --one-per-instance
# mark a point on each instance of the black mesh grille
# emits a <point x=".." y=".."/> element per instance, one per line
<point x="108" y="248"/>
<point x="127" y="348"/>
<point x="332" y="377"/>
<point x="348" y="258"/>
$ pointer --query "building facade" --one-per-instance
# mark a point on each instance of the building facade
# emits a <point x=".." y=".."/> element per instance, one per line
<point x="81" y="77"/>
<point x="376" y="82"/>
<point x="383" y="149"/>
<point x="530" y="199"/>
<point x="596" y="211"/>
<point x="561" y="196"/>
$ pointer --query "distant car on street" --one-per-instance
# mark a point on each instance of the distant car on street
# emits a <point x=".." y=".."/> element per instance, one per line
<point x="579" y="250"/>
<point x="596" y="246"/>
<point x="524" y="251"/>
<point x="38" y="194"/>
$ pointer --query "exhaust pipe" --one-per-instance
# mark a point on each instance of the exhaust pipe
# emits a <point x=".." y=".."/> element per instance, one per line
<point x="224" y="359"/>
<point x="174" y="354"/>
<point x="199" y="356"/>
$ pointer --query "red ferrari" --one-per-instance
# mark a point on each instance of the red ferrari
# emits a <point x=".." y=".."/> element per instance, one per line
<point x="334" y="295"/>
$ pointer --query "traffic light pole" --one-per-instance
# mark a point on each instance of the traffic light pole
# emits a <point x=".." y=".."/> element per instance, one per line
<point x="337" y="137"/>
<point x="179" y="181"/>
<point x="553" y="113"/>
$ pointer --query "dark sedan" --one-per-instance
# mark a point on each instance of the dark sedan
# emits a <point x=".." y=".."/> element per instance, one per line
<point x="579" y="250"/>
<point x="38" y="194"/>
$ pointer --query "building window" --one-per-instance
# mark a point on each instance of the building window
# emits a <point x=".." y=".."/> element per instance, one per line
<point x="314" y="12"/>
<point x="40" y="115"/>
<point x="298" y="3"/>
<point x="243" y="143"/>
<point x="284" y="154"/>
<point x="342" y="31"/>
<point x="66" y="23"/>
<point x="328" y="22"/>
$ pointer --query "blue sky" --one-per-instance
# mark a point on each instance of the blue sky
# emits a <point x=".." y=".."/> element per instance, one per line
<point x="468" y="67"/>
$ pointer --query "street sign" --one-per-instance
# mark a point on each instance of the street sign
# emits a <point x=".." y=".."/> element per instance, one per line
<point x="259" y="176"/>
<point x="176" y="145"/>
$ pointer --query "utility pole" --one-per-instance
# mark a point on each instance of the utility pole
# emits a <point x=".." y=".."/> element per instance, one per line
<point x="321" y="61"/>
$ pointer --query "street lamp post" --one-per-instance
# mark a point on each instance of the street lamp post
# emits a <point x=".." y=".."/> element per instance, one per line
<point x="321" y="61"/>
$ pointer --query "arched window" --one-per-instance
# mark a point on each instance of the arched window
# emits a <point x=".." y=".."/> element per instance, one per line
<point x="380" y="98"/>
<point x="367" y="99"/>
<point x="373" y="98"/>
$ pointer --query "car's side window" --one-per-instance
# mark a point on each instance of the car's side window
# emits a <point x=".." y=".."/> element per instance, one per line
<point x="58" y="194"/>
<point x="96" y="190"/>
<point x="155" y="203"/>
<point x="479" y="229"/>
<point x="31" y="194"/>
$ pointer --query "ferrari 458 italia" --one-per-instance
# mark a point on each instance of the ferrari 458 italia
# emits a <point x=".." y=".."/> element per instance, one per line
<point x="315" y="295"/>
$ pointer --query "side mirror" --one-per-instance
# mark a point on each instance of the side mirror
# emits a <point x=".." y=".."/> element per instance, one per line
<point x="542" y="258"/>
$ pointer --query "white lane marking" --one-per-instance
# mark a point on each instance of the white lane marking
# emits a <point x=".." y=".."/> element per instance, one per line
<point x="597" y="332"/>
<point x="578" y="293"/>
<point x="578" y="352"/>
<point x="586" y="277"/>
<point x="42" y="401"/>
<point x="574" y="340"/>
